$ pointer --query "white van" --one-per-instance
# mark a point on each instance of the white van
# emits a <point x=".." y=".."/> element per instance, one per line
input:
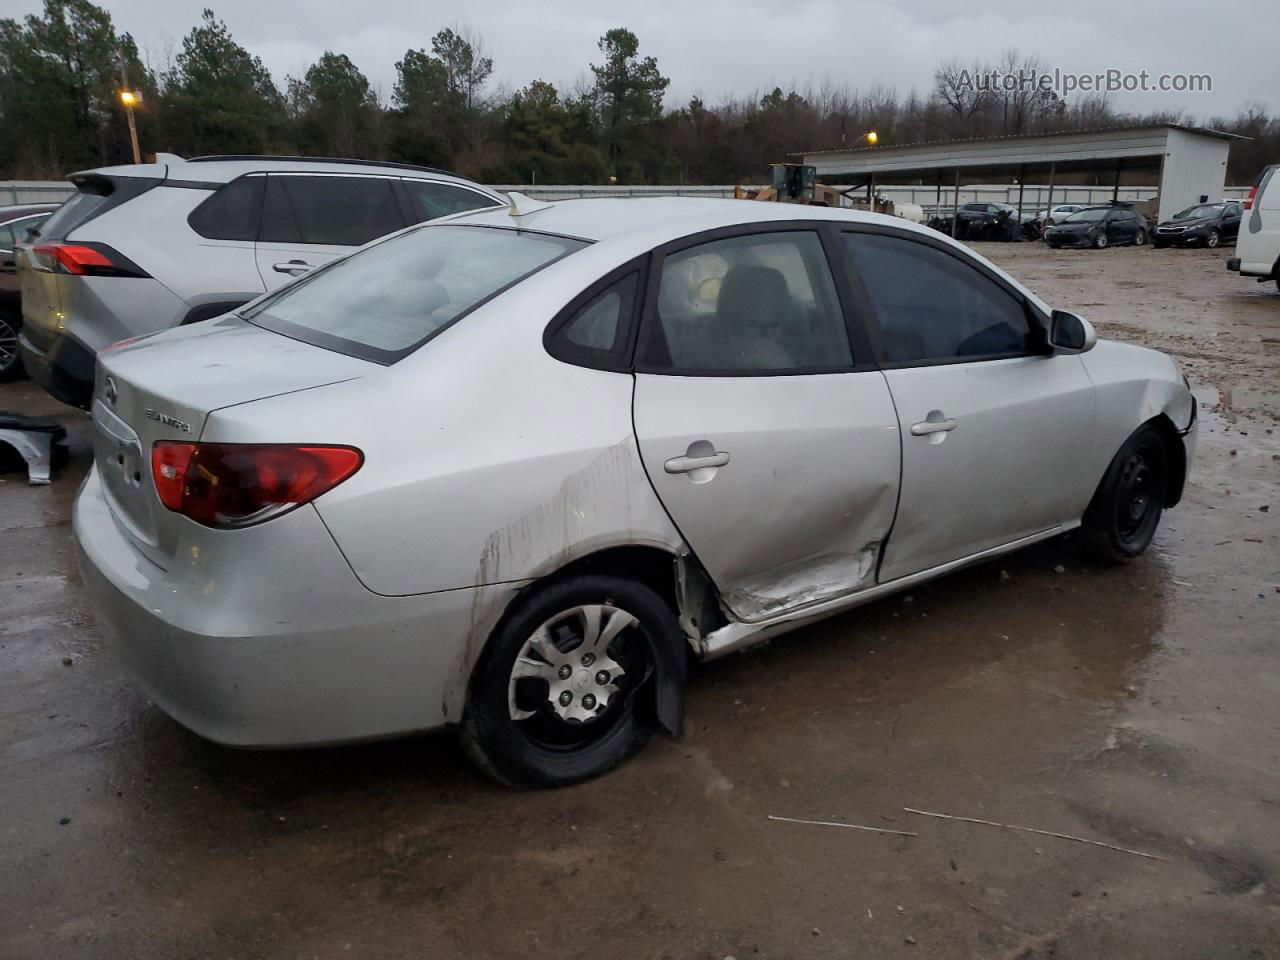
<point x="1258" y="246"/>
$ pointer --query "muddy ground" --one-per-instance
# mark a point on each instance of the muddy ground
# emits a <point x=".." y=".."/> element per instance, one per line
<point x="1136" y="706"/>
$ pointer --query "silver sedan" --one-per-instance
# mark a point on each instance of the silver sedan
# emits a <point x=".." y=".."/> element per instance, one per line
<point x="508" y="470"/>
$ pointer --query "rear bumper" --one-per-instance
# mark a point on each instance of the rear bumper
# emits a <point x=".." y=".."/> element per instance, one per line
<point x="63" y="367"/>
<point x="284" y="647"/>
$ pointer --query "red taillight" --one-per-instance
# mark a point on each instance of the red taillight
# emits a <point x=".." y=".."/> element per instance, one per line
<point x="85" y="260"/>
<point x="239" y="484"/>
<point x="1253" y="194"/>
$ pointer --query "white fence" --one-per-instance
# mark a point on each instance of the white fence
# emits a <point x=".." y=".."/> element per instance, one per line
<point x="1034" y="196"/>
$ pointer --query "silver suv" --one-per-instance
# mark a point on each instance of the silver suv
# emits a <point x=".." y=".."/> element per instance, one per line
<point x="142" y="248"/>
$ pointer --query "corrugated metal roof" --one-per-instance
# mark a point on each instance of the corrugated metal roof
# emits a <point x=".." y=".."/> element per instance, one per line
<point x="1203" y="131"/>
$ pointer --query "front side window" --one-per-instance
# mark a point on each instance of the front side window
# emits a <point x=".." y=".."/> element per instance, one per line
<point x="329" y="211"/>
<point x="431" y="199"/>
<point x="384" y="302"/>
<point x="759" y="303"/>
<point x="932" y="306"/>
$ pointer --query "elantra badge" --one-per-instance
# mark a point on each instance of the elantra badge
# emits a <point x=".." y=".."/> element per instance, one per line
<point x="168" y="421"/>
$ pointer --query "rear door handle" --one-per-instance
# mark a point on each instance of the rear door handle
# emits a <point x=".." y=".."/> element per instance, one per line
<point x="689" y="464"/>
<point x="291" y="267"/>
<point x="926" y="427"/>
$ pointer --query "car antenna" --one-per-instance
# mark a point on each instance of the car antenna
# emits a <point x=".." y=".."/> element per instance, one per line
<point x="522" y="205"/>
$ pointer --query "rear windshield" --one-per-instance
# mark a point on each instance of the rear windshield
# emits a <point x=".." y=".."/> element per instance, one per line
<point x="95" y="195"/>
<point x="1202" y="212"/>
<point x="385" y="301"/>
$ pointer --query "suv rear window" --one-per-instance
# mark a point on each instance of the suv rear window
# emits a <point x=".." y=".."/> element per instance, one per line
<point x="383" y="303"/>
<point x="95" y="195"/>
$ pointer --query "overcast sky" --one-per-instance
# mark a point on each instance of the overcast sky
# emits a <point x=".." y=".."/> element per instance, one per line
<point x="714" y="47"/>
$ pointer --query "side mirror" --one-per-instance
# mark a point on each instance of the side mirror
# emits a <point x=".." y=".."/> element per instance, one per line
<point x="1071" y="334"/>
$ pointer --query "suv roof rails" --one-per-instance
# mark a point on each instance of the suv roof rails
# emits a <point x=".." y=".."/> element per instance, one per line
<point x="365" y="163"/>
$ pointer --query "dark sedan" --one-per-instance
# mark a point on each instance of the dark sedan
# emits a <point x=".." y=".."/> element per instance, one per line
<point x="1098" y="227"/>
<point x="1204" y="225"/>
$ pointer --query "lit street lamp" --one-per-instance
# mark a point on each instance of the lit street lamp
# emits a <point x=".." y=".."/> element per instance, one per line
<point x="130" y="98"/>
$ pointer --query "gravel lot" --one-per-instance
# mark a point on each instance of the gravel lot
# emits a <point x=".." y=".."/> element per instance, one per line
<point x="1137" y="707"/>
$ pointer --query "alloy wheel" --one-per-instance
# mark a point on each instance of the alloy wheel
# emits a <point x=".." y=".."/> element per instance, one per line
<point x="1213" y="239"/>
<point x="1100" y="240"/>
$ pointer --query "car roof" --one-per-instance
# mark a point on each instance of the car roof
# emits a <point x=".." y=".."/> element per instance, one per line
<point x="223" y="169"/>
<point x="659" y="220"/>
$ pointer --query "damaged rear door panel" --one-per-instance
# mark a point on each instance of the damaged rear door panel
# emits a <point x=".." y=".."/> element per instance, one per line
<point x="768" y="436"/>
<point x="798" y="512"/>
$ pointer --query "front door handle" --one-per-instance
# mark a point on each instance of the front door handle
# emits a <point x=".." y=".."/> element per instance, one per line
<point x="689" y="464"/>
<point x="926" y="427"/>
<point x="291" y="267"/>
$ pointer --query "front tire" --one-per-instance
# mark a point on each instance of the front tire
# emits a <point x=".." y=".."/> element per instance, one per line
<point x="1100" y="241"/>
<point x="1213" y="239"/>
<point x="553" y="700"/>
<point x="10" y="359"/>
<point x="1125" y="511"/>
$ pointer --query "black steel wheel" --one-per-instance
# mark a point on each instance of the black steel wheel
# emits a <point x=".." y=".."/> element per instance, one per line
<point x="1122" y="518"/>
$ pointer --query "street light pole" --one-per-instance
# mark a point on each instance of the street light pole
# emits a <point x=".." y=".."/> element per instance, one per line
<point x="129" y="98"/>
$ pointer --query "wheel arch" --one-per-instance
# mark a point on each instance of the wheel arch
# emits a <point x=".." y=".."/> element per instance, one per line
<point x="681" y="583"/>
<point x="1175" y="456"/>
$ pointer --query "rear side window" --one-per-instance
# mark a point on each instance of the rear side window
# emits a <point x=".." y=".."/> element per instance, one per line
<point x="431" y="199"/>
<point x="764" y="303"/>
<point x="95" y="195"/>
<point x="596" y="333"/>
<point x="933" y="306"/>
<point x="332" y="211"/>
<point x="231" y="213"/>
<point x="384" y="302"/>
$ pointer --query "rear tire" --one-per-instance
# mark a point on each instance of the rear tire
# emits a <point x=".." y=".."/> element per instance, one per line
<point x="514" y="726"/>
<point x="1125" y="511"/>
<point x="10" y="359"/>
<point x="1140" y="238"/>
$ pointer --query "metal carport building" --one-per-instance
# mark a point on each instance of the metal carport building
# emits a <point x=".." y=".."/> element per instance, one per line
<point x="1189" y="163"/>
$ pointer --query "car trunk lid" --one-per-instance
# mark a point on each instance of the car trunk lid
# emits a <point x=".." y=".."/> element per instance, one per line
<point x="165" y="387"/>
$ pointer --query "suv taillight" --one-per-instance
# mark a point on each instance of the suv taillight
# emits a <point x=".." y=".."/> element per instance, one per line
<point x="1253" y="195"/>
<point x="229" y="485"/>
<point x="84" y="260"/>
